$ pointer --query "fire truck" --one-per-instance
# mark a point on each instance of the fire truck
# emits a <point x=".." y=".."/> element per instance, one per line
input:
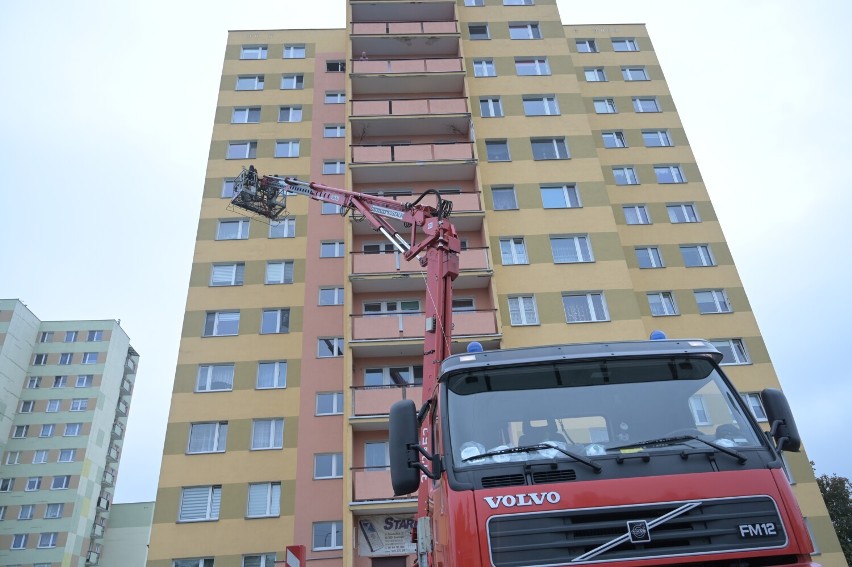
<point x="633" y="453"/>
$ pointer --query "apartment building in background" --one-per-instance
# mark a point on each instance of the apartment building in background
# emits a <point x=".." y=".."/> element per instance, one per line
<point x="64" y="402"/>
<point x="582" y="216"/>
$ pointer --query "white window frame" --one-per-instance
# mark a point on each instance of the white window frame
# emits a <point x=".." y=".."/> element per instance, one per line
<point x="40" y="456"/>
<point x="717" y="297"/>
<point x="635" y="74"/>
<point x="490" y="107"/>
<point x="60" y="482"/>
<point x="59" y="381"/>
<point x="284" y="228"/>
<point x="549" y="105"/>
<point x="244" y="115"/>
<point x="334" y="167"/>
<point x="336" y="296"/>
<point x="292" y="82"/>
<point x="19" y="541"/>
<point x="334" y="131"/>
<point x="335" y="540"/>
<point x="46" y="337"/>
<point x="26" y="406"/>
<point x="656" y="139"/>
<point x="683" y="213"/>
<point x="698" y="407"/>
<point x="479" y="36"/>
<point x="636" y="214"/>
<point x="53" y="510"/>
<point x="94" y="336"/>
<point x="396" y="375"/>
<point x="269" y="496"/>
<point x="484" y="68"/>
<point x="505" y="197"/>
<point x="737" y="348"/>
<point x="662" y="304"/>
<point x="581" y="245"/>
<point x="605" y="106"/>
<point x="33" y="382"/>
<point x="40" y="359"/>
<point x="213" y="503"/>
<point x="20" y="431"/>
<point x="336" y="347"/>
<point x="292" y="113"/>
<point x="524" y="30"/>
<point x="586" y="46"/>
<point x="590" y="303"/>
<point x="653" y="255"/>
<point x="595" y="75"/>
<point x="279" y="374"/>
<point x="66" y="456"/>
<point x="336" y="403"/>
<point x="249" y="83"/>
<point x="70" y="336"/>
<point x="518" y="2"/>
<point x="253" y="52"/>
<point x="33" y="484"/>
<point x="754" y="403"/>
<point x="246" y="149"/>
<point x="287" y="149"/>
<point x="219" y="430"/>
<point x="47" y="430"/>
<point x="558" y="145"/>
<point x="66" y="358"/>
<point x="228" y="274"/>
<point x="72" y="430"/>
<point x="228" y="188"/>
<point x="90" y="358"/>
<point x="523" y="310"/>
<point x="614" y="139"/>
<point x="279" y="272"/>
<point x="371" y="450"/>
<point x="294" y="51"/>
<point x="242" y="226"/>
<point x="539" y="65"/>
<point x="499" y="146"/>
<point x="13" y="458"/>
<point x="569" y="193"/>
<point x="26" y="512"/>
<point x="336" y="248"/>
<point x="213" y="325"/>
<point x="628" y="175"/>
<point x="639" y="103"/>
<point x="335" y="97"/>
<point x="629" y="44"/>
<point x="513" y="251"/>
<point x="273" y="440"/>
<point x="335" y="466"/>
<point x="79" y="404"/>
<point x="705" y="255"/>
<point x="474" y="3"/>
<point x="335" y="66"/>
<point x="261" y="560"/>
<point x="205" y="374"/>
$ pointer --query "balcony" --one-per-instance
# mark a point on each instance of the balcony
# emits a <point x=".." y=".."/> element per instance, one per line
<point x="404" y="75"/>
<point x="404" y="28"/>
<point x="97" y="531"/>
<point x="92" y="558"/>
<point x="391" y="272"/>
<point x="126" y="386"/>
<point x="435" y="116"/>
<point x="117" y="431"/>
<point x="375" y="485"/>
<point x="103" y="503"/>
<point x="370" y="11"/>
<point x="372" y="401"/>
<point x="424" y="38"/>
<point x="384" y="163"/>
<point x="109" y="477"/>
<point x="123" y="407"/>
<point x="113" y="453"/>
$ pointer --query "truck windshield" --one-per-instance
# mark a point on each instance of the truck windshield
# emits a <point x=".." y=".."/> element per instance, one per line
<point x="590" y="407"/>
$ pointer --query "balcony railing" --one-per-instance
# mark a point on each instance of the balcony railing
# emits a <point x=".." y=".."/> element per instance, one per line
<point x="409" y="107"/>
<point x="109" y="477"/>
<point x="103" y="503"/>
<point x="413" y="325"/>
<point x="448" y="151"/>
<point x="117" y="430"/>
<point x="123" y="407"/>
<point x="403" y="28"/>
<point x="113" y="453"/>
<point x="97" y="531"/>
<point x="470" y="259"/>
<point x="377" y="400"/>
<point x="372" y="484"/>
<point x="92" y="558"/>
<point x="126" y="386"/>
<point x="407" y="66"/>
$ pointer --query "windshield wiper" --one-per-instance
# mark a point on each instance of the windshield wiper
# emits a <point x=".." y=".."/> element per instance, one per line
<point x="680" y="439"/>
<point x="537" y="447"/>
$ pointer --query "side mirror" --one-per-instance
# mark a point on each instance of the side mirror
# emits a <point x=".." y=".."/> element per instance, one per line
<point x="783" y="426"/>
<point x="402" y="440"/>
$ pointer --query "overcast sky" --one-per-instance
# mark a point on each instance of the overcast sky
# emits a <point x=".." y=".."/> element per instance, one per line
<point x="105" y="136"/>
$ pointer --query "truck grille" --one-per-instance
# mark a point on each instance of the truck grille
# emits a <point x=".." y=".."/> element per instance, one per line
<point x="601" y="534"/>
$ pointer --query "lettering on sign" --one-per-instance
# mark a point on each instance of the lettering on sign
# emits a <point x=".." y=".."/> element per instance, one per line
<point x="758" y="530"/>
<point x="517" y="500"/>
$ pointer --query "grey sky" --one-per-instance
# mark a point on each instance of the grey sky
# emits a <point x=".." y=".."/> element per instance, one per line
<point x="105" y="133"/>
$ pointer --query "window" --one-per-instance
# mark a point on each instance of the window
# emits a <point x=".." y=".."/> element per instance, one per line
<point x="524" y="31"/>
<point x="228" y="188"/>
<point x="94" y="336"/>
<point x="40" y="456"/>
<point x="53" y="511"/>
<point x="331" y="208"/>
<point x="19" y="541"/>
<point x="242" y="150"/>
<point x="290" y="114"/>
<point x="264" y="499"/>
<point x="334" y="131"/>
<point x="733" y="351"/>
<point x="279" y="272"/>
<point x="275" y="321"/>
<point x="559" y="197"/>
<point x="484" y="68"/>
<point x="697" y="255"/>
<point x="712" y="301"/>
<point x="40" y="359"/>
<point x="571" y="249"/>
<point x="490" y="107"/>
<point x="331" y="296"/>
<point x="287" y="149"/>
<point x="333" y="249"/>
<point x="636" y="214"/>
<point x="90" y="358"/>
<point x="335" y="66"/>
<point x="518" y="2"/>
<point x="549" y="148"/>
<point x="497" y="150"/>
<point x="755" y="404"/>
<point x="265" y="560"/>
<point x="504" y="198"/>
<point x="13" y="458"/>
<point x="699" y="410"/>
<point x="66" y="456"/>
<point x="72" y="429"/>
<point x="34" y="382"/>
<point x="65" y="358"/>
<point x="27" y="406"/>
<point x="470" y="3"/>
<point x="208" y="437"/>
<point x="478" y="31"/>
<point x="33" y="483"/>
<point x="20" y="431"/>
<point x="253" y="52"/>
<point x="285" y="228"/>
<point x="70" y="336"/>
<point x="586" y="46"/>
<point x="250" y="83"/>
<point x="46" y="337"/>
<point x="595" y="75"/>
<point x="656" y="138"/>
<point x="522" y="310"/>
<point x="646" y="104"/>
<point x="271" y="374"/>
<point x="614" y="140"/>
<point x="625" y="176"/>
<point x="330" y="403"/>
<point x="513" y="251"/>
<point x="682" y="213"/>
<point x="215" y="378"/>
<point x="222" y="323"/>
<point x="328" y="465"/>
<point x="79" y="404"/>
<point x="525" y="66"/>
<point x="327" y="535"/>
<point x="267" y="434"/>
<point x="292" y="82"/>
<point x="585" y="307"/>
<point x="25" y="512"/>
<point x="335" y="97"/>
<point x="605" y="106"/>
<point x="203" y="562"/>
<point x="246" y="115"/>
<point x="391" y="307"/>
<point x="6" y="484"/>
<point x="624" y="44"/>
<point x="540" y="105"/>
<point x="47" y="430"/>
<point x="227" y="274"/>
<point x="649" y="257"/>
<point x="662" y="303"/>
<point x="59" y="381"/>
<point x="60" y="482"/>
<point x="634" y="74"/>
<point x="334" y="167"/>
<point x="669" y="174"/>
<point x="376" y="455"/>
<point x="294" y="52"/>
<point x="200" y="503"/>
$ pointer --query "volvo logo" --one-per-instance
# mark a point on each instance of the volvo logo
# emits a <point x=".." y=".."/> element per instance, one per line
<point x="639" y="531"/>
<point x="515" y="500"/>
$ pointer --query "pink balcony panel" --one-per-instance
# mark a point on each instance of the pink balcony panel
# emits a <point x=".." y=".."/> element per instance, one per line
<point x="453" y="151"/>
<point x="439" y="27"/>
<point x="370" y="107"/>
<point x="370" y="66"/>
<point x="464" y="201"/>
<point x="443" y="65"/>
<point x="372" y="485"/>
<point x="474" y="259"/>
<point x="447" y="106"/>
<point x="405" y="28"/>
<point x="377" y="401"/>
<point x="474" y="323"/>
<point x="391" y="327"/>
<point x="414" y="106"/>
<point x="371" y="154"/>
<point x="369" y="28"/>
<point x="413" y="152"/>
<point x="407" y="66"/>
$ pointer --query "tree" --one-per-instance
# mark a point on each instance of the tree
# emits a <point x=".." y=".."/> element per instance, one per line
<point x="837" y="493"/>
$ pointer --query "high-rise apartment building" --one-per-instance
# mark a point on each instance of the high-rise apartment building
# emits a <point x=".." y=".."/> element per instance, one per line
<point x="66" y="389"/>
<point x="582" y="216"/>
